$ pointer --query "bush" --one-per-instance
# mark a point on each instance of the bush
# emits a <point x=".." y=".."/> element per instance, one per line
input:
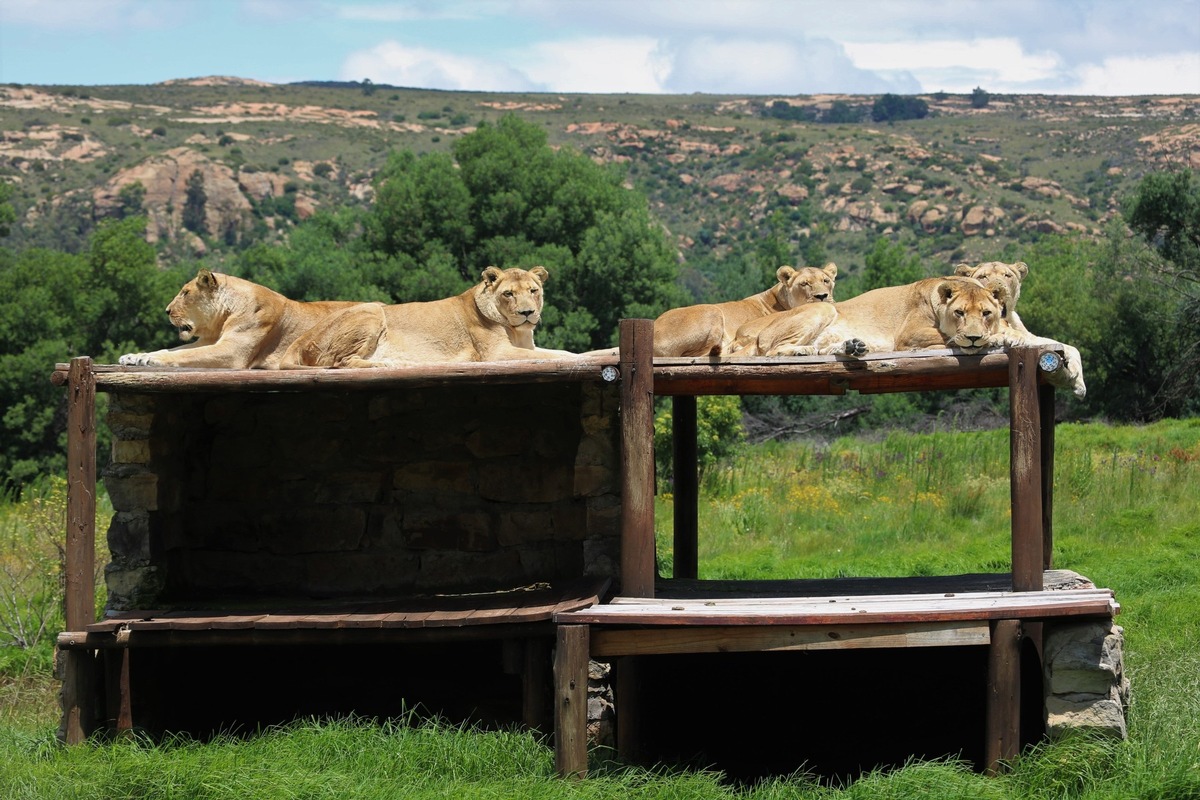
<point x="718" y="431"/>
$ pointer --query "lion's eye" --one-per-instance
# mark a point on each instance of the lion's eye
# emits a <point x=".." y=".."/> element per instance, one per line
<point x="508" y="293"/>
<point x="958" y="312"/>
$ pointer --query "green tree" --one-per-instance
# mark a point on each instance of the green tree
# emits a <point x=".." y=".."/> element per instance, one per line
<point x="54" y="306"/>
<point x="894" y="107"/>
<point x="195" y="200"/>
<point x="505" y="198"/>
<point x="1164" y="211"/>
<point x="8" y="214"/>
<point x="979" y="98"/>
<point x="131" y="200"/>
<point x="890" y="264"/>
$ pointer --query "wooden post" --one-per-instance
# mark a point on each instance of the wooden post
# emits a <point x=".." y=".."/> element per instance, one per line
<point x="570" y="700"/>
<point x="534" y="680"/>
<point x="687" y="486"/>
<point x="80" y="589"/>
<point x="1046" y="404"/>
<point x="637" y="455"/>
<point x="1025" y="464"/>
<point x="1003" y="695"/>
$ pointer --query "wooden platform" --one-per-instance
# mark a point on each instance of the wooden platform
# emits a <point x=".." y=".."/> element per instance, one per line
<point x="328" y="622"/>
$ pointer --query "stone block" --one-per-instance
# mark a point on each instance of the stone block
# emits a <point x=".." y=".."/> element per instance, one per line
<point x="131" y="487"/>
<point x="506" y="482"/>
<point x="132" y="587"/>
<point x="129" y="536"/>
<point x="131" y="451"/>
<point x="434" y="476"/>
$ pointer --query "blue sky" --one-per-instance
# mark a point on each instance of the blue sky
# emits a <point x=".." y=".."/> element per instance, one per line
<point x="1093" y="47"/>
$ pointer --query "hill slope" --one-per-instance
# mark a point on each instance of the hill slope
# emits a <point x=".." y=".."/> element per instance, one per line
<point x="959" y="184"/>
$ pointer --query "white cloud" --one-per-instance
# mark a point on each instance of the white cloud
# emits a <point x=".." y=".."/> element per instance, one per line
<point x="89" y="14"/>
<point x="997" y="64"/>
<point x="601" y="65"/>
<point x="399" y="65"/>
<point x="757" y="66"/>
<point x="1166" y="74"/>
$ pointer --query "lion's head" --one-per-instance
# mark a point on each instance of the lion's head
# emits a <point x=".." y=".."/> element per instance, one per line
<point x="807" y="284"/>
<point x="968" y="315"/>
<point x="997" y="273"/>
<point x="197" y="311"/>
<point x="512" y="297"/>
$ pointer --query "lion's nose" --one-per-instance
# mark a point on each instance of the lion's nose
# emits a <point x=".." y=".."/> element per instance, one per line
<point x="820" y="297"/>
<point x="526" y="314"/>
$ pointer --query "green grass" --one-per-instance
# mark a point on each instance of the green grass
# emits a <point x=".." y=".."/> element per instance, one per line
<point x="1126" y="502"/>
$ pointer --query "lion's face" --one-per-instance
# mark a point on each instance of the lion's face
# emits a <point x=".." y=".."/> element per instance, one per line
<point x="808" y="284"/>
<point x="968" y="315"/>
<point x="194" y="311"/>
<point x="993" y="274"/>
<point x="512" y="297"/>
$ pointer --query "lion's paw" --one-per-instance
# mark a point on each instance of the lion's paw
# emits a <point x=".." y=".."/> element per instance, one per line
<point x="855" y="347"/>
<point x="134" y="360"/>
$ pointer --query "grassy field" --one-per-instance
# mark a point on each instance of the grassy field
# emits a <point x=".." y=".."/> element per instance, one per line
<point x="1126" y="515"/>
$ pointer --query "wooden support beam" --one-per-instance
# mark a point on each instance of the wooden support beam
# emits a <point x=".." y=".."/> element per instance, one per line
<point x="637" y="457"/>
<point x="1025" y="464"/>
<point x="686" y="486"/>
<point x="1003" y="723"/>
<point x="78" y="695"/>
<point x="1046" y="417"/>
<point x="570" y="701"/>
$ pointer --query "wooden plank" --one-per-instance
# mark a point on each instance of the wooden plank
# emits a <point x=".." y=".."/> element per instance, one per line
<point x="570" y="706"/>
<point x="1025" y="464"/>
<point x="607" y="642"/>
<point x="926" y="370"/>
<point x="637" y="456"/>
<point x="686" y="487"/>
<point x="183" y="379"/>
<point x="1003" y="707"/>
<point x="820" y="611"/>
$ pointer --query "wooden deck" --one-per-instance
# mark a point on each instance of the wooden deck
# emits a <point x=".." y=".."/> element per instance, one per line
<point x="371" y="620"/>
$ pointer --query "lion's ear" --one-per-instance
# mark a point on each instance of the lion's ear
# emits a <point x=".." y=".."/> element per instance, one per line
<point x="205" y="279"/>
<point x="963" y="269"/>
<point x="492" y="274"/>
<point x="1000" y="292"/>
<point x="1022" y="269"/>
<point x="784" y="274"/>
<point x="945" y="291"/>
<point x="539" y="273"/>
<point x="830" y="269"/>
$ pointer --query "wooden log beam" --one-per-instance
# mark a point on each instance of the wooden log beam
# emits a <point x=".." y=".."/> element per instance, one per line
<point x="686" y="486"/>
<point x="637" y="457"/>
<point x="78" y="700"/>
<point x="570" y="696"/>
<point x="1003" y="707"/>
<point x="1025" y="464"/>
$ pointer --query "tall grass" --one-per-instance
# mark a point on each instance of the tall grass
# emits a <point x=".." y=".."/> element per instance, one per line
<point x="1126" y="515"/>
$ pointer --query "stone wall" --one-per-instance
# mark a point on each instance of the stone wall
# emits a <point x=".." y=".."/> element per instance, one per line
<point x="1085" y="683"/>
<point x="361" y="493"/>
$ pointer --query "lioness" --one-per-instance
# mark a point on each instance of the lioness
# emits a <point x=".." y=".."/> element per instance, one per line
<point x="492" y="321"/>
<point x="233" y="323"/>
<point x="709" y="329"/>
<point x="1009" y="278"/>
<point x="934" y="312"/>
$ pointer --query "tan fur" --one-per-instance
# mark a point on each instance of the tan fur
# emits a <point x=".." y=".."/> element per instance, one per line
<point x="709" y="329"/>
<point x="492" y="321"/>
<point x="231" y="323"/>
<point x="935" y="312"/>
<point x="1009" y="277"/>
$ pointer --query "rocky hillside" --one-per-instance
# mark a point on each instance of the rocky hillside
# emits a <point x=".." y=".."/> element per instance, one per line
<point x="961" y="183"/>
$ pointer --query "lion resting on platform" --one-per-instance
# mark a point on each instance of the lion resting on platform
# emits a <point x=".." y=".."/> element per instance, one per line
<point x="232" y="323"/>
<point x="708" y="329"/>
<point x="1008" y="277"/>
<point x="935" y="312"/>
<point x="492" y="321"/>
